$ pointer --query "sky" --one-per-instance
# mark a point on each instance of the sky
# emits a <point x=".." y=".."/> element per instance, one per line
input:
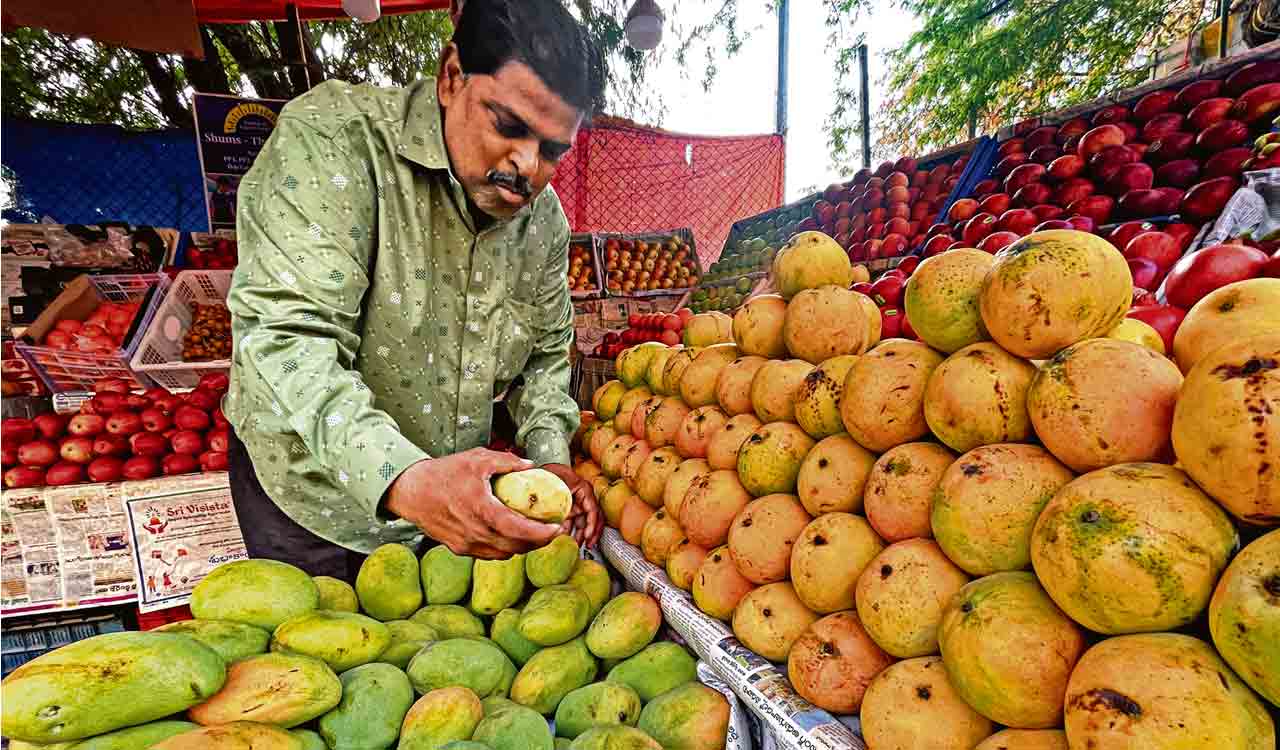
<point x="741" y="100"/>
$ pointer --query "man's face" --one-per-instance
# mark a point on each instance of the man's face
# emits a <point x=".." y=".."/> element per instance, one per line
<point x="508" y="123"/>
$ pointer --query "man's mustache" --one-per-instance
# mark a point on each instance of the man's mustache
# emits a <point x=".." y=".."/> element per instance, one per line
<point x="516" y="183"/>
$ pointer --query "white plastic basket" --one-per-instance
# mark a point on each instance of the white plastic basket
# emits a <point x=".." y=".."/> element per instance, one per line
<point x="159" y="357"/>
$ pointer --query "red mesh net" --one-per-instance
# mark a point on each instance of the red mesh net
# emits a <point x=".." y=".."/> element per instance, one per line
<point x="621" y="177"/>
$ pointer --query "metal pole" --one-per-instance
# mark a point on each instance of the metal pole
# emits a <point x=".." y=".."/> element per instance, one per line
<point x="783" y="27"/>
<point x="295" y="21"/>
<point x="1224" y="17"/>
<point x="865" y="96"/>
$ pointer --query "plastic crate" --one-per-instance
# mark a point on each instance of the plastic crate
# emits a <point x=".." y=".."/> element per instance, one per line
<point x="159" y="357"/>
<point x="77" y="371"/>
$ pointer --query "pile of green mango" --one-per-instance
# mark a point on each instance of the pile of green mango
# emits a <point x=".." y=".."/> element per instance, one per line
<point x="442" y="652"/>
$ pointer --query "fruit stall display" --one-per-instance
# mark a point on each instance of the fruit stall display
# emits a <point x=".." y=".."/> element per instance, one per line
<point x="119" y="434"/>
<point x="584" y="266"/>
<point x="1023" y="529"/>
<point x="649" y="263"/>
<point x="442" y="651"/>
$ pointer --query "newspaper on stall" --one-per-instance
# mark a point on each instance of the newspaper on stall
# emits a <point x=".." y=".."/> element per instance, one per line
<point x="64" y="548"/>
<point x="794" y="723"/>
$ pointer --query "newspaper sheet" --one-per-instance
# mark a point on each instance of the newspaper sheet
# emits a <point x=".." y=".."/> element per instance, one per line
<point x="181" y="531"/>
<point x="64" y="548"/>
<point x="794" y="723"/>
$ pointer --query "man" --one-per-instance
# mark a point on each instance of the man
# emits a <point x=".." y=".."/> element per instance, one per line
<point x="402" y="262"/>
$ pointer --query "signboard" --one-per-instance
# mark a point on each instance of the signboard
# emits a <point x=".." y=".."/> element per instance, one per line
<point x="230" y="132"/>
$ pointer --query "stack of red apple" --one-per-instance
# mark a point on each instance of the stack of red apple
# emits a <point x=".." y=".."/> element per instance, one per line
<point x="101" y="333"/>
<point x="667" y="328"/>
<point x="883" y="214"/>
<point x="887" y="291"/>
<point x="1175" y="152"/>
<point x="120" y="435"/>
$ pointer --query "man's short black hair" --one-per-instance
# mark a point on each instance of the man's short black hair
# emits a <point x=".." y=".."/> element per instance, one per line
<point x="539" y="33"/>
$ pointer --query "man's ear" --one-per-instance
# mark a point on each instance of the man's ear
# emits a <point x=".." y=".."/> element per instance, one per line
<point x="449" y="80"/>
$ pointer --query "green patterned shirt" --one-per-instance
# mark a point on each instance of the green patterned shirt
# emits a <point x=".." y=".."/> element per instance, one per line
<point x="373" y="326"/>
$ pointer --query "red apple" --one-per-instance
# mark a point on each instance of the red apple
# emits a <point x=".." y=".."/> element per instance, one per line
<point x="1108" y="160"/>
<point x="23" y="476"/>
<point x="1162" y="126"/>
<point x="1144" y="272"/>
<point x="64" y="473"/>
<point x="1195" y="92"/>
<point x="1155" y="103"/>
<point x="1143" y="297"/>
<point x="213" y="461"/>
<point x="1033" y="194"/>
<point x="1182" y="232"/>
<point x="140" y="467"/>
<point x="885" y="168"/>
<point x="1253" y="74"/>
<point x="976" y="229"/>
<point x="106" y="469"/>
<point x="8" y="455"/>
<point x="890" y="322"/>
<point x="1222" y="135"/>
<point x="1121" y="235"/>
<point x="111" y="385"/>
<point x="936" y="244"/>
<point x="1257" y="103"/>
<point x="1175" y="146"/>
<point x="995" y="204"/>
<point x="1047" y="211"/>
<point x="1020" y="221"/>
<point x="108" y="445"/>
<point x="1113" y="113"/>
<point x="1170" y="199"/>
<point x="190" y="418"/>
<point x="1181" y="173"/>
<point x="1073" y="190"/>
<point x="1041" y="136"/>
<point x="994" y="243"/>
<point x="1272" y="269"/>
<point x="1065" y="167"/>
<point x="1205" y="200"/>
<point x="807" y="224"/>
<point x="1012" y="146"/>
<point x="1082" y="223"/>
<point x="1053" y="224"/>
<point x="179" y="463"/>
<point x="894" y="244"/>
<point x="135" y="402"/>
<point x="1201" y="272"/>
<point x="1209" y="112"/>
<point x="962" y="210"/>
<point x="17" y="430"/>
<point x="1158" y="247"/>
<point x="124" y="423"/>
<point x="1099" y="138"/>
<point x="38" y="453"/>
<point x="1096" y="207"/>
<point x="670" y="338"/>
<point x="77" y="450"/>
<point x="1009" y="163"/>
<point x="888" y="289"/>
<point x="169" y="404"/>
<point x="107" y="402"/>
<point x="51" y="426"/>
<point x="907" y="266"/>
<point x="155" y="420"/>
<point x="86" y="425"/>
<point x="823" y="213"/>
<point x="148" y="444"/>
<point x="1132" y="176"/>
<point x="1045" y="154"/>
<point x="986" y="187"/>
<point x="939" y="228"/>
<point x="1142" y="204"/>
<point x="1228" y="163"/>
<point x="1164" y="318"/>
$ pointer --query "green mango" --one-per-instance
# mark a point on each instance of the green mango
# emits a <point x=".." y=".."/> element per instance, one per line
<point x="496" y="584"/>
<point x="449" y="620"/>
<point x="596" y="705"/>
<point x="516" y="728"/>
<point x="407" y="638"/>
<point x="496" y="703"/>
<point x="615" y="738"/>
<point x="552" y="674"/>
<point x="342" y="640"/>
<point x="552" y="564"/>
<point x="476" y="664"/>
<point x="626" y="624"/>
<point x="562" y="743"/>
<point x="505" y="632"/>
<point x="658" y="667"/>
<point x="264" y="593"/>
<point x="388" y="585"/>
<point x="375" y="699"/>
<point x="105" y="683"/>
<point x="690" y="717"/>
<point x="310" y="740"/>
<point x="232" y="640"/>
<point x="441" y="718"/>
<point x="235" y="735"/>
<point x="506" y="679"/>
<point x="555" y="615"/>
<point x="593" y="579"/>
<point x="281" y="689"/>
<point x="446" y="577"/>
<point x="140" y="737"/>
<point x="465" y="745"/>
<point x="336" y="594"/>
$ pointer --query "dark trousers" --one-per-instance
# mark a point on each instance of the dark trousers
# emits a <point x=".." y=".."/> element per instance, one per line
<point x="270" y="533"/>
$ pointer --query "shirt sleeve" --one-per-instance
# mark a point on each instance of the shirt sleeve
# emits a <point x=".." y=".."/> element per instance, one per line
<point x="306" y="224"/>
<point x="546" y="413"/>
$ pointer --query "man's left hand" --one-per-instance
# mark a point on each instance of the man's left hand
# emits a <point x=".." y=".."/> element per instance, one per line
<point x="583" y="523"/>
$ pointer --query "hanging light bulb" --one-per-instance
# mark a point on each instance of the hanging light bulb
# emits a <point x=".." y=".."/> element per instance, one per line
<point x="364" y="11"/>
<point x="644" y="24"/>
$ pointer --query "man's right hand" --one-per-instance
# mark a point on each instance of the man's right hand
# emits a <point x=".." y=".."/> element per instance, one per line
<point x="451" y="500"/>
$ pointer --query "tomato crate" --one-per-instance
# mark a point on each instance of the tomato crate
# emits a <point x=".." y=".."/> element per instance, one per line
<point x="159" y="357"/>
<point x="64" y="370"/>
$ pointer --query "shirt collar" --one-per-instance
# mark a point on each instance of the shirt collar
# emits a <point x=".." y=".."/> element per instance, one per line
<point x="422" y="137"/>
